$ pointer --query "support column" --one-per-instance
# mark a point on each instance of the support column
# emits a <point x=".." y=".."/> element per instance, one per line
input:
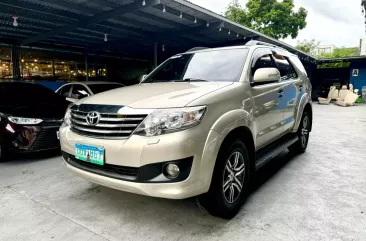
<point x="155" y="55"/>
<point x="86" y="68"/>
<point x="53" y="70"/>
<point x="15" y="61"/>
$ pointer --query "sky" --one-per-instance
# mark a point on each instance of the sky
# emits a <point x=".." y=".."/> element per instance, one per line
<point x="337" y="22"/>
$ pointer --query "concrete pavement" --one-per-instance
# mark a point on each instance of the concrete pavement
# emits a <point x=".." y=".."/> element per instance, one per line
<point x="319" y="195"/>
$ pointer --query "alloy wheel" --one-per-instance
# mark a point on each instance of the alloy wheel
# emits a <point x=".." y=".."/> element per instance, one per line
<point x="304" y="131"/>
<point x="234" y="175"/>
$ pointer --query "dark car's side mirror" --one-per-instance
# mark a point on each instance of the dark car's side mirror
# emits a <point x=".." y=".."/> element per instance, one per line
<point x="266" y="75"/>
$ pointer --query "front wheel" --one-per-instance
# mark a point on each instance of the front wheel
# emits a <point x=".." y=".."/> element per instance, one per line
<point x="230" y="182"/>
<point x="303" y="133"/>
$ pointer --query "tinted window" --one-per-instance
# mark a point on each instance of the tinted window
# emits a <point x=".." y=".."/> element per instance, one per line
<point x="79" y="92"/>
<point x="264" y="61"/>
<point x="98" y="88"/>
<point x="26" y="93"/>
<point x="285" y="68"/>
<point x="65" y="91"/>
<point x="216" y="65"/>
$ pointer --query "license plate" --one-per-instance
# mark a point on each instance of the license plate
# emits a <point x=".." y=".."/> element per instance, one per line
<point x="90" y="154"/>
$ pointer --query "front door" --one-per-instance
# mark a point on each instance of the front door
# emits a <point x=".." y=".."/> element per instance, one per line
<point x="268" y="112"/>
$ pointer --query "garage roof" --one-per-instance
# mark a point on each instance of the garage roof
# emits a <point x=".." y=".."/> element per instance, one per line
<point x="131" y="27"/>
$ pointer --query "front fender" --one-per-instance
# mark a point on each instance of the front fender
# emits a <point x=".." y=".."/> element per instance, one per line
<point x="219" y="130"/>
<point x="232" y="120"/>
<point x="305" y="99"/>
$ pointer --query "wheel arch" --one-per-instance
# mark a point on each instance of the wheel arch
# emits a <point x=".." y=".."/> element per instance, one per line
<point x="244" y="134"/>
<point x="304" y="104"/>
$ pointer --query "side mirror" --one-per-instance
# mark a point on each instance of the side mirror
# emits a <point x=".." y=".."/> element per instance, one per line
<point x="266" y="75"/>
<point x="143" y="77"/>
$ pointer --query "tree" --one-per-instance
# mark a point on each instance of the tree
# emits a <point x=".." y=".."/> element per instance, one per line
<point x="272" y="17"/>
<point x="307" y="46"/>
<point x="342" y="52"/>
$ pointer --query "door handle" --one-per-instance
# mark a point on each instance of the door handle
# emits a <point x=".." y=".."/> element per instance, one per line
<point x="280" y="91"/>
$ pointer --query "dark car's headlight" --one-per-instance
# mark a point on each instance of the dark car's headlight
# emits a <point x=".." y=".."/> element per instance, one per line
<point x="165" y="121"/>
<point x="24" y="121"/>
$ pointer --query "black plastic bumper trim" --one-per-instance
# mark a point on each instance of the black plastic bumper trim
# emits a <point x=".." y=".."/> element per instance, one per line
<point x="151" y="173"/>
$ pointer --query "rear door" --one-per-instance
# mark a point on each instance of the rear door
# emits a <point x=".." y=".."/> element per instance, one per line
<point x="267" y="97"/>
<point x="291" y="86"/>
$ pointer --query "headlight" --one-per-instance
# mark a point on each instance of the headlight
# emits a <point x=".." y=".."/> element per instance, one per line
<point x="67" y="117"/>
<point x="165" y="121"/>
<point x="24" y="121"/>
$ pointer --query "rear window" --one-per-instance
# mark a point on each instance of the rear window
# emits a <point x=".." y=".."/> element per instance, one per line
<point x="98" y="88"/>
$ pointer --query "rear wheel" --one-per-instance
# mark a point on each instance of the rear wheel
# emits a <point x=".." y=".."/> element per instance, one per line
<point x="303" y="133"/>
<point x="230" y="182"/>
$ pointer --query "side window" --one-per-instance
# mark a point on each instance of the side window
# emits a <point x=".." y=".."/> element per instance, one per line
<point x="284" y="66"/>
<point x="79" y="92"/>
<point x="296" y="61"/>
<point x="65" y="91"/>
<point x="262" y="59"/>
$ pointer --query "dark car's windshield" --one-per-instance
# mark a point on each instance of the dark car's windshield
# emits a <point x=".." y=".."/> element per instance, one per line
<point x="98" y="88"/>
<point x="14" y="93"/>
<point x="213" y="66"/>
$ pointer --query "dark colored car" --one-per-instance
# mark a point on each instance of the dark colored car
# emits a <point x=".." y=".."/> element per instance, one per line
<point x="30" y="117"/>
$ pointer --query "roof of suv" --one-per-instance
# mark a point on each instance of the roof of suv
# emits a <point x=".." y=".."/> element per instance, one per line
<point x="253" y="44"/>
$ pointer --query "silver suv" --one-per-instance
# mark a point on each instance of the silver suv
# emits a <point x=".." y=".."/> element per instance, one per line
<point x="201" y="124"/>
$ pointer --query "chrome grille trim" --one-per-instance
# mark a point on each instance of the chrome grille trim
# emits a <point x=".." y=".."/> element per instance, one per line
<point x="105" y="125"/>
<point x="110" y="126"/>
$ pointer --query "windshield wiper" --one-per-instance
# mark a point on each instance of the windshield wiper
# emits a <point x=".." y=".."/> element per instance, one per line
<point x="194" y="80"/>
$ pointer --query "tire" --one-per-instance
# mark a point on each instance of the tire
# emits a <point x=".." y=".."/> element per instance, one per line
<point x="225" y="197"/>
<point x="303" y="133"/>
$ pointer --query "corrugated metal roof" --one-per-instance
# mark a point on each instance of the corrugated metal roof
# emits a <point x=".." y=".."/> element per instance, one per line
<point x="83" y="22"/>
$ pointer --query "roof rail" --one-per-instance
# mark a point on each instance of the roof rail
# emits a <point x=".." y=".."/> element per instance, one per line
<point x="256" y="42"/>
<point x="196" y="48"/>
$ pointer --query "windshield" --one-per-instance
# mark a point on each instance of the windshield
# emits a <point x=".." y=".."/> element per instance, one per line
<point x="98" y="88"/>
<point x="213" y="66"/>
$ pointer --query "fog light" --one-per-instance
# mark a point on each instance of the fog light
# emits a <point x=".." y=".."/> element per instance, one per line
<point x="172" y="171"/>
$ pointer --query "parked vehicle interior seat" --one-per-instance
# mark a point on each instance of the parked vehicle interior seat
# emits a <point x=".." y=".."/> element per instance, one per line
<point x="343" y="93"/>
<point x="335" y="93"/>
<point x="350" y="100"/>
<point x="326" y="101"/>
<point x="350" y="87"/>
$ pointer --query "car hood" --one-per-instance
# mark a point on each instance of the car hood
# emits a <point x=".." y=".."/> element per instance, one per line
<point x="155" y="95"/>
<point x="50" y="110"/>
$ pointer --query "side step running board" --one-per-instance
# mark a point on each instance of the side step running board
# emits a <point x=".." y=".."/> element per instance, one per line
<point x="264" y="156"/>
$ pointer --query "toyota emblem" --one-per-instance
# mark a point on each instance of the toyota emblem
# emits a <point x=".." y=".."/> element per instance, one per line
<point x="93" y="118"/>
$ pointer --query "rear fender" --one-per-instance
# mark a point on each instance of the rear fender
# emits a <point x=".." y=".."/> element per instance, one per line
<point x="305" y="99"/>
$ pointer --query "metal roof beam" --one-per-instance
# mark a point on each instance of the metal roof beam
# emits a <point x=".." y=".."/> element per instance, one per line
<point x="16" y="4"/>
<point x="158" y="19"/>
<point x="189" y="30"/>
<point x="92" y="20"/>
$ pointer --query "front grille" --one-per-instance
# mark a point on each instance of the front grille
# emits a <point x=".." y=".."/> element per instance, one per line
<point x="46" y="139"/>
<point x="108" y="170"/>
<point x="110" y="126"/>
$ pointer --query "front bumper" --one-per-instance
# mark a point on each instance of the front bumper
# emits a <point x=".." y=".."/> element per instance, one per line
<point x="138" y="152"/>
<point x="28" y="138"/>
